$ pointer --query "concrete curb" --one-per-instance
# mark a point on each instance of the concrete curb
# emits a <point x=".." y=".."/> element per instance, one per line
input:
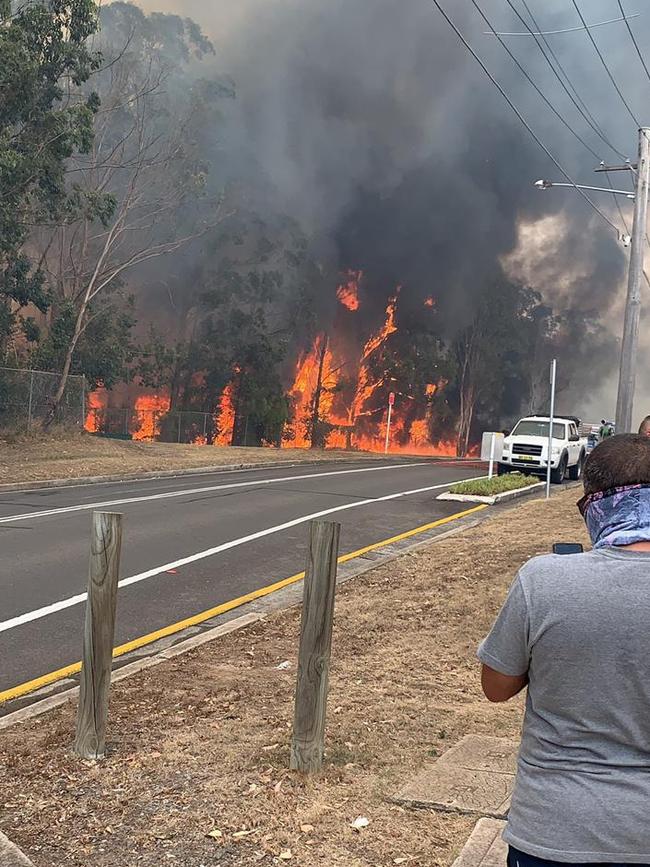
<point x="497" y="498"/>
<point x="183" y="642"/>
<point x="10" y="854"/>
<point x="485" y="848"/>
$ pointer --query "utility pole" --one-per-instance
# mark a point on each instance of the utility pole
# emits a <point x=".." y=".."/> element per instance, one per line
<point x="627" y="373"/>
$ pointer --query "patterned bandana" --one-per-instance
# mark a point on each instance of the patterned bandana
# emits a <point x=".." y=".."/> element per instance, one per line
<point x="620" y="516"/>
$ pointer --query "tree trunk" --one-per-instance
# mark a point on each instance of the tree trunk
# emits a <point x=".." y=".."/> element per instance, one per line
<point x="467" y="394"/>
<point x="67" y="364"/>
<point x="315" y="415"/>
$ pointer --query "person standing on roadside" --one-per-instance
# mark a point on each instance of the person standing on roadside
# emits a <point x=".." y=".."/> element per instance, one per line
<point x="644" y="428"/>
<point x="574" y="631"/>
<point x="605" y="430"/>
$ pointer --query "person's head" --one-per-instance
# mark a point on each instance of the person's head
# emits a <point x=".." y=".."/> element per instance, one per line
<point x="644" y="428"/>
<point x="616" y="504"/>
<point x="619" y="461"/>
<point x="602" y="421"/>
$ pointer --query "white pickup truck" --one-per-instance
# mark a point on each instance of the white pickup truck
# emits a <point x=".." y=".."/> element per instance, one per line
<point x="526" y="448"/>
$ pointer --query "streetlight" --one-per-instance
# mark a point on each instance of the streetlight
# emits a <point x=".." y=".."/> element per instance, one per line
<point x="546" y="185"/>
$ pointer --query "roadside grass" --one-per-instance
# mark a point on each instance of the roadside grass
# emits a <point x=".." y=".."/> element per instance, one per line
<point x="495" y="485"/>
<point x="63" y="453"/>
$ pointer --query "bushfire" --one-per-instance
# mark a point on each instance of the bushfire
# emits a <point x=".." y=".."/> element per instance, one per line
<point x="338" y="398"/>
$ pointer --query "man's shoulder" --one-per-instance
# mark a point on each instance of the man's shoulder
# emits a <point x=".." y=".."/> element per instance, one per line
<point x="548" y="567"/>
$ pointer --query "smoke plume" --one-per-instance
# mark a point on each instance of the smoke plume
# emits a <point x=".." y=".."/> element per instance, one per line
<point x="382" y="136"/>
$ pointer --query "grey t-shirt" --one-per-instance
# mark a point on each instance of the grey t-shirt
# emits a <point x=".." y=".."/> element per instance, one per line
<point x="580" y="626"/>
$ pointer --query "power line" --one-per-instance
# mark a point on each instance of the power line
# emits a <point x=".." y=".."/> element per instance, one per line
<point x="569" y="29"/>
<point x="575" y="97"/>
<point x="635" y="43"/>
<point x="606" y="67"/>
<point x="528" y="78"/>
<point x="521" y="117"/>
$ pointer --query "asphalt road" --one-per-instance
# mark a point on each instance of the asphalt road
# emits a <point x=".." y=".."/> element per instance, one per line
<point x="190" y="543"/>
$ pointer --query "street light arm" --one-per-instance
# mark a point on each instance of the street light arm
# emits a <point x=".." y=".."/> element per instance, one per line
<point x="546" y="185"/>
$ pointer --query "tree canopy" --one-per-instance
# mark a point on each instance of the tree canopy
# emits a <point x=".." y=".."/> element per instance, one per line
<point x="44" y="119"/>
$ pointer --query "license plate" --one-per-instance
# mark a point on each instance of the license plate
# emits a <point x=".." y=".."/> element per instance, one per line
<point x="526" y="458"/>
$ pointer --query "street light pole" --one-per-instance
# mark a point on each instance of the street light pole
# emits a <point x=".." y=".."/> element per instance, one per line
<point x="627" y="374"/>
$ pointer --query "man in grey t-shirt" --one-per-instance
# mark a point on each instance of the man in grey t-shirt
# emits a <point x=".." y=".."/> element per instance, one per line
<point x="576" y="631"/>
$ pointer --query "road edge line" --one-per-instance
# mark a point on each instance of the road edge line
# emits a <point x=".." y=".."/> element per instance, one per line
<point x="24" y="689"/>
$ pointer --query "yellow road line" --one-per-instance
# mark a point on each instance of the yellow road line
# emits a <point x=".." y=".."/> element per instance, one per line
<point x="172" y="629"/>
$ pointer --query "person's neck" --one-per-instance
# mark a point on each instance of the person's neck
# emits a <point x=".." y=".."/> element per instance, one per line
<point x="636" y="546"/>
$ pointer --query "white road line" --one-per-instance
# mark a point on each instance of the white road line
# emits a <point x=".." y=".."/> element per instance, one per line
<point x="38" y="613"/>
<point x="83" y="507"/>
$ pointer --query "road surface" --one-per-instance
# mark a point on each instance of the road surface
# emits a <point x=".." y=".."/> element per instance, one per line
<point x="190" y="543"/>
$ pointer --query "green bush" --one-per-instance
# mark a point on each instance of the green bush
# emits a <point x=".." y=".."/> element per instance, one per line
<point x="496" y="485"/>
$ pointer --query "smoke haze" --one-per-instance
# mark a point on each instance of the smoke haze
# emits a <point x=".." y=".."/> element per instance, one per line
<point x="382" y="136"/>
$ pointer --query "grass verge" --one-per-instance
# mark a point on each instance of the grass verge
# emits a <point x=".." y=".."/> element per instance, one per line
<point x="64" y="454"/>
<point x="495" y="485"/>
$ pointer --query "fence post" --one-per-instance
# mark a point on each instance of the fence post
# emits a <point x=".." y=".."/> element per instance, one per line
<point x="205" y="426"/>
<point x="308" y="741"/>
<point x="99" y="632"/>
<point x="179" y="427"/>
<point x="31" y="400"/>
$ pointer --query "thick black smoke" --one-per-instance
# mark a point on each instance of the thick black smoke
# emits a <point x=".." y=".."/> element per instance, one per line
<point x="380" y="133"/>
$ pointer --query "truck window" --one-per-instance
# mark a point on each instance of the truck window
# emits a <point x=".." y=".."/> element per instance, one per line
<point x="531" y="428"/>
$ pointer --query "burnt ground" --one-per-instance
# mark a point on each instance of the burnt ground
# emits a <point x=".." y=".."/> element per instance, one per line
<point x="197" y="771"/>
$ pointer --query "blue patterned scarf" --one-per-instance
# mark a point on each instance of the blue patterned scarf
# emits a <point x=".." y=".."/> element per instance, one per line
<point x="620" y="516"/>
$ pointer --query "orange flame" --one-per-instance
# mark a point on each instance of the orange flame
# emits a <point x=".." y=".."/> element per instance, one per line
<point x="348" y="293"/>
<point x="96" y="403"/>
<point x="366" y="388"/>
<point x="148" y="409"/>
<point x="353" y="396"/>
<point x="305" y="385"/>
<point x="408" y="435"/>
<point x="226" y="419"/>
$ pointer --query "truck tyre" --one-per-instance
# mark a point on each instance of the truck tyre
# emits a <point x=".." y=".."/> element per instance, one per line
<point x="575" y="473"/>
<point x="558" y="475"/>
<point x="503" y="470"/>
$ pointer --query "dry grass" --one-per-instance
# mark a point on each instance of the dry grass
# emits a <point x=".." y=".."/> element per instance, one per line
<point x="66" y="455"/>
<point x="200" y="744"/>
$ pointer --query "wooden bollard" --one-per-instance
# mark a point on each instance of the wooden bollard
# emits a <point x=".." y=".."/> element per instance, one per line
<point x="308" y="740"/>
<point x="99" y="634"/>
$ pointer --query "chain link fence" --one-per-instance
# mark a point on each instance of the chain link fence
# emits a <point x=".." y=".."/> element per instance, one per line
<point x="174" y="426"/>
<point x="146" y="424"/>
<point x="26" y="398"/>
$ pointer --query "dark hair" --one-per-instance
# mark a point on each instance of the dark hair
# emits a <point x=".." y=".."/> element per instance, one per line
<point x="618" y="461"/>
<point x="644" y="427"/>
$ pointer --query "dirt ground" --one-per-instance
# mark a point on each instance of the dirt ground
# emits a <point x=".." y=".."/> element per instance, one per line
<point x="197" y="773"/>
<point x="74" y="455"/>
